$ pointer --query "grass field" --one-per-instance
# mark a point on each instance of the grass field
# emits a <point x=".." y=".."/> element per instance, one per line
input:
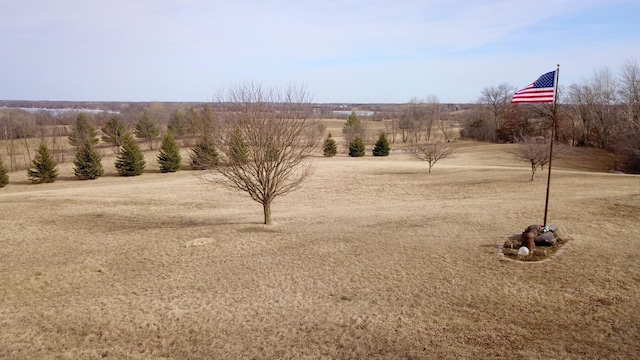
<point x="372" y="258"/>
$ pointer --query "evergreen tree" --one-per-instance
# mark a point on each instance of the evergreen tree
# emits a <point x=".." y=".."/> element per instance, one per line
<point x="238" y="149"/>
<point x="204" y="155"/>
<point x="82" y="130"/>
<point x="382" y="146"/>
<point x="169" y="157"/>
<point x="147" y="129"/>
<point x="88" y="163"/>
<point x="46" y="170"/>
<point x="130" y="161"/>
<point x="356" y="147"/>
<point x="114" y="131"/>
<point x="177" y="124"/>
<point x="329" y="148"/>
<point x="4" y="176"/>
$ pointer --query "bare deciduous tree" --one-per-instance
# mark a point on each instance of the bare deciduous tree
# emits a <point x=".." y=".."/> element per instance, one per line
<point x="434" y="110"/>
<point x="535" y="152"/>
<point x="496" y="101"/>
<point x="264" y="139"/>
<point x="594" y="105"/>
<point x="444" y="126"/>
<point x="630" y="90"/>
<point x="433" y="152"/>
<point x="630" y="94"/>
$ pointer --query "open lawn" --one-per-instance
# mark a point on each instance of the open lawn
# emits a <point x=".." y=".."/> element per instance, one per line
<point x="372" y="258"/>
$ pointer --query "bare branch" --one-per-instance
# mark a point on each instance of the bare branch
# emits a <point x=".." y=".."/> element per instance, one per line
<point x="434" y="152"/>
<point x="535" y="152"/>
<point x="264" y="138"/>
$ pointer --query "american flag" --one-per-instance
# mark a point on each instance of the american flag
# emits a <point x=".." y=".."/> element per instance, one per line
<point x="539" y="91"/>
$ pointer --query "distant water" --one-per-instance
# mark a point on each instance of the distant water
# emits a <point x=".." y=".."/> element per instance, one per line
<point x="358" y="112"/>
<point x="64" y="110"/>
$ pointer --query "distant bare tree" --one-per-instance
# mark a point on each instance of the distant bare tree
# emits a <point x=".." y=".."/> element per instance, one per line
<point x="630" y="90"/>
<point x="264" y="139"/>
<point x="391" y="127"/>
<point x="594" y="103"/>
<point x="630" y="94"/>
<point x="444" y="127"/>
<point x="433" y="112"/>
<point x="433" y="152"/>
<point x="412" y="120"/>
<point x="477" y="124"/>
<point x="535" y="152"/>
<point x="496" y="102"/>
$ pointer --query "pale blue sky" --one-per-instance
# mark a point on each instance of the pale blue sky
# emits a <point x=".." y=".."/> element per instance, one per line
<point x="342" y="51"/>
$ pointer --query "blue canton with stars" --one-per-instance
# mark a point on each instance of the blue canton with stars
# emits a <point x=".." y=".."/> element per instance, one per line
<point x="546" y="80"/>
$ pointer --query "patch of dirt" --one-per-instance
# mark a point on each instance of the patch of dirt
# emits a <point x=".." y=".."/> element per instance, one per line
<point x="539" y="253"/>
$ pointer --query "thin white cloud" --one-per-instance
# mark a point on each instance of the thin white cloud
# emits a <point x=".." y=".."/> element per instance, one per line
<point x="180" y="49"/>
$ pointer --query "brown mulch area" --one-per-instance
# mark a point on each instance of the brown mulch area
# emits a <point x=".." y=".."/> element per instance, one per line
<point x="539" y="253"/>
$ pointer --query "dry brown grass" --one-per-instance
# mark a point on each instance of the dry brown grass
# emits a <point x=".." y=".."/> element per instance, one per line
<point x="373" y="258"/>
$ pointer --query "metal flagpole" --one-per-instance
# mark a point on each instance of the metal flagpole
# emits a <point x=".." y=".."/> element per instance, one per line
<point x="553" y="130"/>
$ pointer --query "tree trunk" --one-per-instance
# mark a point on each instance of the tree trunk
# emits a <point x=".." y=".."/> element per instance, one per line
<point x="533" y="172"/>
<point x="266" y="206"/>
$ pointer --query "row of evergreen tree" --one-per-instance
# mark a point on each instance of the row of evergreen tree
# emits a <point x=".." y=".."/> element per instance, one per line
<point x="356" y="147"/>
<point x="129" y="160"/>
<point x="88" y="162"/>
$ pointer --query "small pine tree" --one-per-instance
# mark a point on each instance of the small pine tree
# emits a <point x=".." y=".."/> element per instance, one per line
<point x="130" y="161"/>
<point x="88" y="163"/>
<point x="169" y="157"/>
<point x="46" y="170"/>
<point x="4" y="176"/>
<point x="382" y="146"/>
<point x="329" y="148"/>
<point x="204" y="155"/>
<point x="82" y="130"/>
<point x="114" y="131"/>
<point x="356" y="147"/>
